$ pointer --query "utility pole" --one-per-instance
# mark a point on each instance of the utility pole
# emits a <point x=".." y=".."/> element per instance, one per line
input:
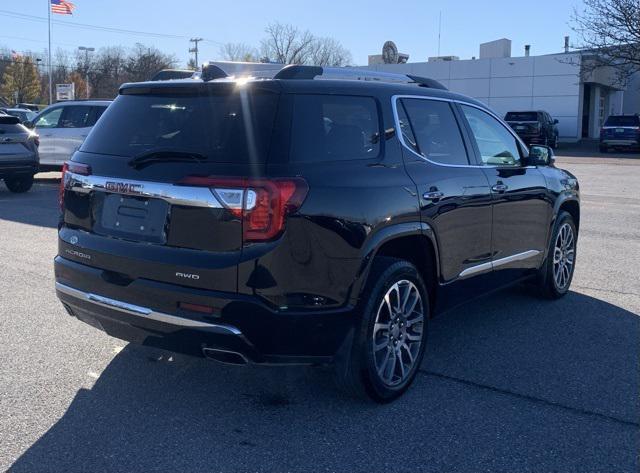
<point x="86" y="62"/>
<point x="195" y="49"/>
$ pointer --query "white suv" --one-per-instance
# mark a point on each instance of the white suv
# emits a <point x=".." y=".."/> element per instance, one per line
<point x="63" y="127"/>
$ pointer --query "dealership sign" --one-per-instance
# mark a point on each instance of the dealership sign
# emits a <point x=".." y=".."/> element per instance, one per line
<point x="65" y="92"/>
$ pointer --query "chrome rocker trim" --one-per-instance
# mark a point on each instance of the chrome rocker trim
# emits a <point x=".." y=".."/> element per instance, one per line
<point x="497" y="263"/>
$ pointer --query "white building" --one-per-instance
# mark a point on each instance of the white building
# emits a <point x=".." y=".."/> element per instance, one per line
<point x="551" y="82"/>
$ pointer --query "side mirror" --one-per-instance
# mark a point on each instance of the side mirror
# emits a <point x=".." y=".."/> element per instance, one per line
<point x="541" y="155"/>
<point x="555" y="121"/>
<point x="28" y="124"/>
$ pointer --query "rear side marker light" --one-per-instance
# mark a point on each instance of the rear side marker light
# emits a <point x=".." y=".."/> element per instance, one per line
<point x="262" y="204"/>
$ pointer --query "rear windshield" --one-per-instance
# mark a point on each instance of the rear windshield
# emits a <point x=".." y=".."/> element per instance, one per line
<point x="223" y="126"/>
<point x="521" y="117"/>
<point x="11" y="124"/>
<point x="334" y="128"/>
<point x="630" y="120"/>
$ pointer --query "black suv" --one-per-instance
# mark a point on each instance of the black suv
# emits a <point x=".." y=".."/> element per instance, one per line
<point x="304" y="219"/>
<point x="534" y="127"/>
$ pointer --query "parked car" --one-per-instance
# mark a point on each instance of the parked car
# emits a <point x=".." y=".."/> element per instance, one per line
<point x="534" y="127"/>
<point x="620" y="131"/>
<point x="63" y="127"/>
<point x="24" y="114"/>
<point x="18" y="154"/>
<point x="293" y="220"/>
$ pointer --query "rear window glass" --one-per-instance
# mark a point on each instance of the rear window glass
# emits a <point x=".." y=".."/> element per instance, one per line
<point x="223" y="126"/>
<point x="11" y="124"/>
<point x="334" y="128"/>
<point x="623" y="121"/>
<point x="521" y="117"/>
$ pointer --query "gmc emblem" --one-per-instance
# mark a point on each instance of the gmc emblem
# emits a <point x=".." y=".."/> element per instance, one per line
<point x="123" y="187"/>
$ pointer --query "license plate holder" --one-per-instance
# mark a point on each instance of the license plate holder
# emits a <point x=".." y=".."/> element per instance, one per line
<point x="131" y="218"/>
<point x="619" y="130"/>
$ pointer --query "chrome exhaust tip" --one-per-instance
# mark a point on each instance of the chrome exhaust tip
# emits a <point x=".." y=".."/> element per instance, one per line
<point x="225" y="356"/>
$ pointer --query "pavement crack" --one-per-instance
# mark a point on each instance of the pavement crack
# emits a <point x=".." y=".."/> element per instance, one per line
<point x="534" y="399"/>
<point x="606" y="290"/>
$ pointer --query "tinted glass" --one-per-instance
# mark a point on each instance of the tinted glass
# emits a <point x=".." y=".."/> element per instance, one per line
<point x="222" y="126"/>
<point x="435" y="128"/>
<point x="95" y="113"/>
<point x="496" y="145"/>
<point x="629" y="120"/>
<point x="405" y="128"/>
<point x="521" y="117"/>
<point x="74" y="116"/>
<point x="49" y="119"/>
<point x="333" y="128"/>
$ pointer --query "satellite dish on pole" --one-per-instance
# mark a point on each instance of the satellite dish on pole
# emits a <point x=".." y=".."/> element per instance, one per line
<point x="390" y="53"/>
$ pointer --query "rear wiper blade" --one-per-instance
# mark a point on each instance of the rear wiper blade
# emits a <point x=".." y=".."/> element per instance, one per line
<point x="165" y="156"/>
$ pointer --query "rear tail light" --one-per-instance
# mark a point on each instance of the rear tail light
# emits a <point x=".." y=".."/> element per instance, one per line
<point x="76" y="168"/>
<point x="262" y="204"/>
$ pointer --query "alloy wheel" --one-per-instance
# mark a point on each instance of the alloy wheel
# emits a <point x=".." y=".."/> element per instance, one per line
<point x="564" y="256"/>
<point x="398" y="332"/>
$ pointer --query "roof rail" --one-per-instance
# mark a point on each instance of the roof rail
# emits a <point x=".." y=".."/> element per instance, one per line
<point x="349" y="73"/>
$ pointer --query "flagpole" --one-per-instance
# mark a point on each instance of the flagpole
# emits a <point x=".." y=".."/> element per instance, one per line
<point x="50" y="65"/>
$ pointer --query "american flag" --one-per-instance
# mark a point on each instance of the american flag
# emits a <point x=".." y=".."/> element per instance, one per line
<point x="62" y="7"/>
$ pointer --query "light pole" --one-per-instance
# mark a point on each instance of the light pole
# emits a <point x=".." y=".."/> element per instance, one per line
<point x="86" y="62"/>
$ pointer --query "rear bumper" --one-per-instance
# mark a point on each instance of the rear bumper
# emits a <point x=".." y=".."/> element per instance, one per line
<point x="8" y="169"/>
<point x="146" y="312"/>
<point x="627" y="143"/>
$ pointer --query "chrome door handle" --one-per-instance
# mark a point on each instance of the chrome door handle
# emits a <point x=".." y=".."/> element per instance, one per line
<point x="500" y="188"/>
<point x="433" y="195"/>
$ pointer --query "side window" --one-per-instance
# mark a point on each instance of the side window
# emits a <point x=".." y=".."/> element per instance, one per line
<point x="75" y="116"/>
<point x="405" y="128"/>
<point x="436" y="131"/>
<point x="496" y="145"/>
<point x="49" y="119"/>
<point x="94" y="114"/>
<point x="334" y="128"/>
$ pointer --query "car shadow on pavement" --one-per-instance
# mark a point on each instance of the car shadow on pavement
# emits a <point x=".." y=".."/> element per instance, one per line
<point x="510" y="383"/>
<point x="37" y="207"/>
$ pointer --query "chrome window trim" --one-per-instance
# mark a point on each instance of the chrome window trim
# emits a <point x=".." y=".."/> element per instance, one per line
<point x="144" y="312"/>
<point x="480" y="268"/>
<point x="396" y="118"/>
<point x="174" y="194"/>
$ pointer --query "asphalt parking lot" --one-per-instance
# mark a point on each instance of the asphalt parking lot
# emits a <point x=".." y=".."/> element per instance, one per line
<point x="510" y="383"/>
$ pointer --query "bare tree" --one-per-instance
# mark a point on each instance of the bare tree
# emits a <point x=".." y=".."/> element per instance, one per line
<point x="611" y="30"/>
<point x="287" y="44"/>
<point x="329" y="52"/>
<point x="238" y="52"/>
<point x="143" y="62"/>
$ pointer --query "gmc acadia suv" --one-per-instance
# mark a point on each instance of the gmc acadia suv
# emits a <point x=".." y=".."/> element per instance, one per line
<point x="305" y="219"/>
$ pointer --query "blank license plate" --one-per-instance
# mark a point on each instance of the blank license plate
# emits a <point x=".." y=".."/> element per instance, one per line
<point x="133" y="218"/>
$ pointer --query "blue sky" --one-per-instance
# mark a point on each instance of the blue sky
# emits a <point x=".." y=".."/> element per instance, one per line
<point x="361" y="26"/>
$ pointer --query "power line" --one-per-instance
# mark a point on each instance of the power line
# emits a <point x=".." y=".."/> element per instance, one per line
<point x="108" y="29"/>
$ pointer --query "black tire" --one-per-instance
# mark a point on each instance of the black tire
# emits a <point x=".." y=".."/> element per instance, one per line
<point x="548" y="285"/>
<point x="355" y="368"/>
<point x="19" y="184"/>
<point x="604" y="149"/>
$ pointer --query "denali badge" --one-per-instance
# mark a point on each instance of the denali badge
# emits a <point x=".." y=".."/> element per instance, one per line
<point x="195" y="277"/>
<point x="123" y="187"/>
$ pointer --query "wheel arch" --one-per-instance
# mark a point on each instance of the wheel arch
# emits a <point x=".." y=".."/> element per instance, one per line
<point x="415" y="242"/>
